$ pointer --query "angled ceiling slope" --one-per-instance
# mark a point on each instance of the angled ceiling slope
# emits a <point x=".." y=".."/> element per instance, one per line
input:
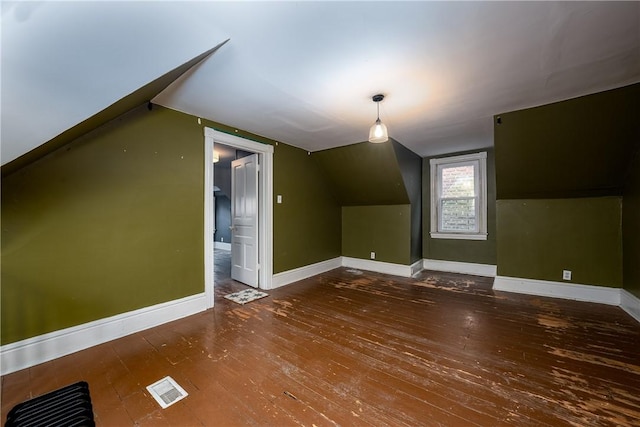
<point x="303" y="72"/>
<point x="349" y="170"/>
<point x="586" y="145"/>
<point x="125" y="104"/>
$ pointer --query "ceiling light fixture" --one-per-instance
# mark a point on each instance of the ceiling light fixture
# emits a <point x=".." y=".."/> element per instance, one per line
<point x="378" y="132"/>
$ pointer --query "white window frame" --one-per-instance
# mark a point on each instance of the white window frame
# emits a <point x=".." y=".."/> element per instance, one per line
<point x="480" y="161"/>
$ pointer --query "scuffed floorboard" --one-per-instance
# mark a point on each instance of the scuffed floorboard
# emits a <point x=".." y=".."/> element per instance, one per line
<point x="368" y="349"/>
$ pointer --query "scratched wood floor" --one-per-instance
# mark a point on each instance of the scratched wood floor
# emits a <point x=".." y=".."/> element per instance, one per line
<point x="353" y="348"/>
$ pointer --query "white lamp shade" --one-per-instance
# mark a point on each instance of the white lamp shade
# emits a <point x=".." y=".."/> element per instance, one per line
<point x="378" y="132"/>
<point x="216" y="157"/>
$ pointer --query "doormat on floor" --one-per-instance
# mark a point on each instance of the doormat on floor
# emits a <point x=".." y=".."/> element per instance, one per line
<point x="246" y="296"/>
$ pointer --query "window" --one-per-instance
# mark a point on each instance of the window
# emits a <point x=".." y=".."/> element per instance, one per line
<point x="459" y="197"/>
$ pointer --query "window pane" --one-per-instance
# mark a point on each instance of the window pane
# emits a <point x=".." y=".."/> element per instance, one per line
<point x="458" y="215"/>
<point x="457" y="181"/>
<point x="458" y="205"/>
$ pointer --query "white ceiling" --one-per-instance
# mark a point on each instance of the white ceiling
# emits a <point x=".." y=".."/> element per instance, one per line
<point x="304" y="72"/>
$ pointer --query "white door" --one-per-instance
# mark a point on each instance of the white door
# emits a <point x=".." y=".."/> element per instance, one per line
<point x="244" y="220"/>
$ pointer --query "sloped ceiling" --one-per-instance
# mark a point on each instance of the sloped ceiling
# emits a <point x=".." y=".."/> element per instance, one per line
<point x="304" y="72"/>
<point x="349" y="171"/>
<point x="580" y="147"/>
<point x="127" y="103"/>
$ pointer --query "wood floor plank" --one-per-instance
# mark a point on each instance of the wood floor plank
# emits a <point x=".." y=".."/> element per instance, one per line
<point x="353" y="348"/>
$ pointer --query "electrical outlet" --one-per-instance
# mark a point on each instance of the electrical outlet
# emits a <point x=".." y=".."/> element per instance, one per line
<point x="373" y="255"/>
<point x="566" y="274"/>
<point x="222" y="239"/>
<point x="279" y="198"/>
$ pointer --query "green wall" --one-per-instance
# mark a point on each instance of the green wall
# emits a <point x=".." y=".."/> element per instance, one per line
<point x="538" y="238"/>
<point x="307" y="224"/>
<point x="379" y="189"/>
<point x="631" y="227"/>
<point x="575" y="148"/>
<point x="561" y="172"/>
<point x="411" y="169"/>
<point x="385" y="230"/>
<point x="112" y="222"/>
<point x="363" y="174"/>
<point x="107" y="224"/>
<point x="472" y="251"/>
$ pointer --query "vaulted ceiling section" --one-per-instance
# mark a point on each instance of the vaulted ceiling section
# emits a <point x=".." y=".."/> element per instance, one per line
<point x="303" y="73"/>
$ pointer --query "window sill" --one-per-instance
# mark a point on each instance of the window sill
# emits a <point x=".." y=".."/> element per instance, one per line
<point x="459" y="236"/>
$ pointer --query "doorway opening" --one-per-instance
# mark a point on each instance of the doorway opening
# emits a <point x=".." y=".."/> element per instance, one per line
<point x="263" y="262"/>
<point x="235" y="211"/>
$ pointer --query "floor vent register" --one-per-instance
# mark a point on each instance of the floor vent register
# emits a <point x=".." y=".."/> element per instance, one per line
<point x="166" y="392"/>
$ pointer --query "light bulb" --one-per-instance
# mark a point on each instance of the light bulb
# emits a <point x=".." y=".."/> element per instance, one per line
<point x="378" y="132"/>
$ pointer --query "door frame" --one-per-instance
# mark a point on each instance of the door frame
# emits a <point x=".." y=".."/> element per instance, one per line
<point x="265" y="206"/>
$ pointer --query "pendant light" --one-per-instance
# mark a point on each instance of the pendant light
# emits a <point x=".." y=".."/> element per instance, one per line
<point x="378" y="132"/>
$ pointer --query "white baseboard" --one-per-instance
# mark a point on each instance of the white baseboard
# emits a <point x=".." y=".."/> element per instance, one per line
<point x="573" y="291"/>
<point x="416" y="267"/>
<point x="382" y="267"/>
<point x="222" y="245"/>
<point x="630" y="303"/>
<point x="290" y="276"/>
<point x="40" y="349"/>
<point x="460" y="267"/>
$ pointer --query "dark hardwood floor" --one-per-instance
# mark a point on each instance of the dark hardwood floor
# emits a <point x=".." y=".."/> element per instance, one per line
<point x="355" y="348"/>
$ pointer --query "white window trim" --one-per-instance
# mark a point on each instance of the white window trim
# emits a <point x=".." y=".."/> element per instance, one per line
<point x="481" y="158"/>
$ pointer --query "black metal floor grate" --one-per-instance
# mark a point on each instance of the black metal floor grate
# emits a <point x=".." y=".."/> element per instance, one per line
<point x="69" y="406"/>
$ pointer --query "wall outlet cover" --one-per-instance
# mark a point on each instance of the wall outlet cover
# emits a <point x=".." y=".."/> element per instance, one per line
<point x="373" y="255"/>
<point x="566" y="274"/>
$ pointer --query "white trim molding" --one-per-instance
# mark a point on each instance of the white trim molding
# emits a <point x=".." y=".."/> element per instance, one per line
<point x="40" y="349"/>
<point x="573" y="291"/>
<point x="301" y="273"/>
<point x="222" y="245"/>
<point x="479" y="163"/>
<point x="474" y="269"/>
<point x="416" y="267"/>
<point x="209" y="219"/>
<point x="630" y="303"/>
<point x="265" y="208"/>
<point x="382" y="267"/>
